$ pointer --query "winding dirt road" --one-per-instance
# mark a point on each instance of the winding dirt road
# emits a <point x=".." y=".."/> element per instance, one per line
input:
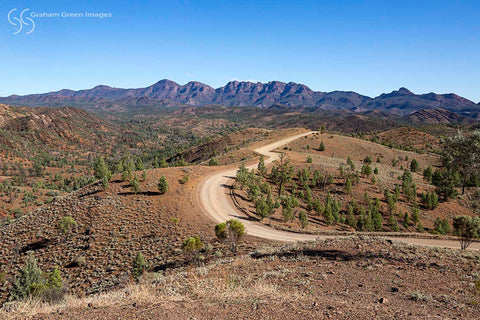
<point x="214" y="199"/>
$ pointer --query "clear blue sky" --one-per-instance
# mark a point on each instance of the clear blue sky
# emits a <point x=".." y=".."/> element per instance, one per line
<point x="365" y="46"/>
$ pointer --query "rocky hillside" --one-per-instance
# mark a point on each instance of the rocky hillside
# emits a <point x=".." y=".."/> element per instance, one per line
<point x="242" y="93"/>
<point x="26" y="129"/>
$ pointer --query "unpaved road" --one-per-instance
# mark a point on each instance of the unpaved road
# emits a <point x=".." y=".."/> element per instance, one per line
<point x="214" y="199"/>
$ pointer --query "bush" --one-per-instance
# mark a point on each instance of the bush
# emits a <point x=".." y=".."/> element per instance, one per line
<point x="414" y="165"/>
<point x="163" y="185"/>
<point x="184" y="179"/>
<point x="231" y="231"/>
<point x="139" y="266"/>
<point x="135" y="185"/>
<point x="303" y="219"/>
<point x="441" y="226"/>
<point x="467" y="229"/>
<point x="192" y="246"/>
<point x="213" y="162"/>
<point x="367" y="160"/>
<point x="430" y="200"/>
<point x="33" y="282"/>
<point x="65" y="225"/>
<point x="309" y="159"/>
<point x="321" y="147"/>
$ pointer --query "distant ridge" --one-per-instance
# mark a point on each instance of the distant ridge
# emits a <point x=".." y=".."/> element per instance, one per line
<point x="167" y="93"/>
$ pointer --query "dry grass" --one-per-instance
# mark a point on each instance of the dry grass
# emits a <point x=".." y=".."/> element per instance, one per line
<point x="202" y="283"/>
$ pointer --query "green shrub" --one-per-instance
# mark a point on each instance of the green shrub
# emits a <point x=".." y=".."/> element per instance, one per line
<point x="163" y="185"/>
<point x="231" y="231"/>
<point x="65" y="225"/>
<point x="303" y="219"/>
<point x="139" y="266"/>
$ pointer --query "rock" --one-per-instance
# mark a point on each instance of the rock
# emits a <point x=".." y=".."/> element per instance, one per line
<point x="383" y="300"/>
<point x="394" y="289"/>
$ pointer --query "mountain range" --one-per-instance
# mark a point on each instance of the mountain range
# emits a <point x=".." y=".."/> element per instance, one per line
<point x="167" y="93"/>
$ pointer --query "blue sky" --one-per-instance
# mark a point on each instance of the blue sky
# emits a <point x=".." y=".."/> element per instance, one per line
<point x="365" y="46"/>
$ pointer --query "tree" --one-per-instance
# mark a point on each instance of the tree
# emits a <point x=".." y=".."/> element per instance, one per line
<point x="65" y="225"/>
<point x="231" y="231"/>
<point x="375" y="171"/>
<point x="321" y="147"/>
<point x="367" y="160"/>
<point x="163" y="185"/>
<point x="462" y="153"/>
<point x="309" y="159"/>
<point x="415" y="214"/>
<point x="428" y="174"/>
<point x="283" y="173"/>
<point x="135" y="185"/>
<point x="303" y="219"/>
<point x="265" y="207"/>
<point x="139" y="266"/>
<point x="414" y="165"/>
<point x="163" y="162"/>
<point x="101" y="170"/>
<point x="262" y="169"/>
<point x="366" y="170"/>
<point x="446" y="182"/>
<point x="348" y="185"/>
<point x="466" y="229"/>
<point x="392" y="221"/>
<point x="192" y="246"/>
<point x="430" y="200"/>
<point x="441" y="226"/>
<point x="351" y="164"/>
<point x="30" y="276"/>
<point x="406" y="220"/>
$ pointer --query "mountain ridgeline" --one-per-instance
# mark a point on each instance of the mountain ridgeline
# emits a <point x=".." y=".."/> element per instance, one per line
<point x="166" y="93"/>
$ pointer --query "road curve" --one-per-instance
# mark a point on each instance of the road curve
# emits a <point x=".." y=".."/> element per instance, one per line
<point x="214" y="199"/>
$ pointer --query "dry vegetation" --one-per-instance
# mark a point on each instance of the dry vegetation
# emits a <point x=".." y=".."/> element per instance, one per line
<point x="343" y="278"/>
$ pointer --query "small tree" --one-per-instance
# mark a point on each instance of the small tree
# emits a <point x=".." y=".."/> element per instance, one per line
<point x="192" y="246"/>
<point x="303" y="219"/>
<point x="139" y="266"/>
<point x="321" y="147"/>
<point x="466" y="229"/>
<point x="231" y="231"/>
<point x="65" y="225"/>
<point x="428" y="173"/>
<point x="309" y="159"/>
<point x="163" y="185"/>
<point x="367" y="160"/>
<point x="414" y="165"/>
<point x="262" y="169"/>
<point x="135" y="185"/>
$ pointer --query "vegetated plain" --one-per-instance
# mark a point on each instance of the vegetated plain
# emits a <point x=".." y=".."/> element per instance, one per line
<point x="84" y="193"/>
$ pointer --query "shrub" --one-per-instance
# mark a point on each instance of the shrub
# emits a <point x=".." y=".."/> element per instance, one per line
<point x="163" y="185"/>
<point x="192" y="246"/>
<point x="428" y="174"/>
<point x="367" y="160"/>
<point x="135" y="185"/>
<point x="231" y="231"/>
<point x="139" y="266"/>
<point x="303" y="219"/>
<point x="321" y="147"/>
<point x="414" y="165"/>
<point x="430" y="200"/>
<point x="467" y="229"/>
<point x="309" y="159"/>
<point x="31" y="281"/>
<point x="213" y="162"/>
<point x="65" y="225"/>
<point x="441" y="226"/>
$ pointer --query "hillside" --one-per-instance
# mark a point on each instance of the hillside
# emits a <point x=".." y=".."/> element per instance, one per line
<point x="344" y="278"/>
<point x="166" y="93"/>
